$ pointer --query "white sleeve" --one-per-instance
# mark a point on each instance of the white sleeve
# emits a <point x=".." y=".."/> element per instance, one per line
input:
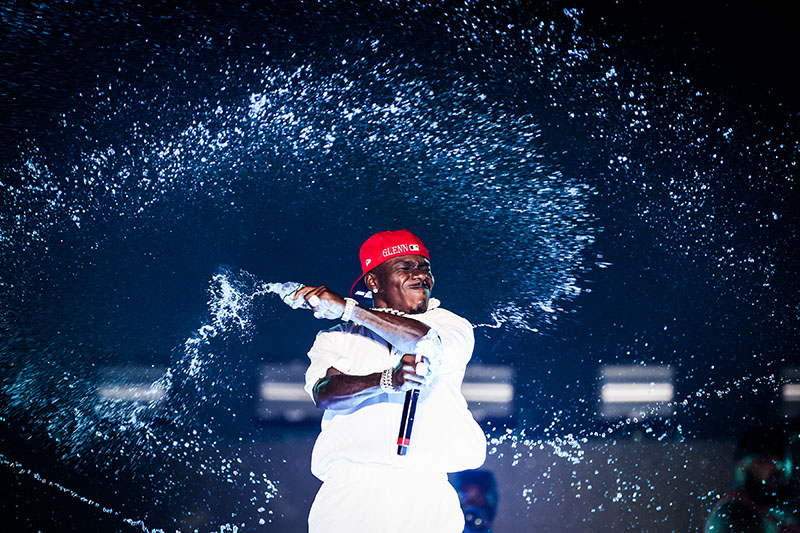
<point x="458" y="341"/>
<point x="466" y="435"/>
<point x="327" y="351"/>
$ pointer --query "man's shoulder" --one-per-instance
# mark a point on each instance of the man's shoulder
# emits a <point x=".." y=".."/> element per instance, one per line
<point x="444" y="317"/>
<point x="450" y="315"/>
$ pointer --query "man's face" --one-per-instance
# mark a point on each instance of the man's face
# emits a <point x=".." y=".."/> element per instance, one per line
<point x="404" y="283"/>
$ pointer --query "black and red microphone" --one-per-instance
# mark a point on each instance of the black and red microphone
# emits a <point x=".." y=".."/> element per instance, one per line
<point x="407" y="421"/>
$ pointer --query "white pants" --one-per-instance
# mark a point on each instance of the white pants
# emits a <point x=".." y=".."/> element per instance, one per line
<point x="360" y="498"/>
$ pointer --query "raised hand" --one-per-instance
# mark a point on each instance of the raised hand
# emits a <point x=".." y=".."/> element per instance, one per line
<point x="405" y="376"/>
<point x="324" y="302"/>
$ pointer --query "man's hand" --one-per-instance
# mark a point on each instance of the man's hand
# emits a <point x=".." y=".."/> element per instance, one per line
<point x="405" y="376"/>
<point x="324" y="302"/>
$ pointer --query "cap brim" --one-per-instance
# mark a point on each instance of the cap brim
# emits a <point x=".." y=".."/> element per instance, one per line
<point x="360" y="292"/>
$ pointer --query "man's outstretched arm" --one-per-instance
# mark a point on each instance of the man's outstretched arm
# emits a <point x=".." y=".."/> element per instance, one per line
<point x="402" y="332"/>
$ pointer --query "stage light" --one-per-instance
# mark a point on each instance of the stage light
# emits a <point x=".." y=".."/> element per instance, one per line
<point x="284" y="392"/>
<point x="281" y="395"/>
<point x="489" y="391"/>
<point x="131" y="384"/>
<point x="634" y="391"/>
<point x="790" y="392"/>
<point x="130" y="393"/>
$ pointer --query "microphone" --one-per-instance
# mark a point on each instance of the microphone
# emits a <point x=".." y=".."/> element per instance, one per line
<point x="407" y="421"/>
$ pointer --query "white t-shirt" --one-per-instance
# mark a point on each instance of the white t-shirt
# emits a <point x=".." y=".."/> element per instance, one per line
<point x="445" y="437"/>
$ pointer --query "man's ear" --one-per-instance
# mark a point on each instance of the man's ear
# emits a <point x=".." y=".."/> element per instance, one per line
<point x="371" y="281"/>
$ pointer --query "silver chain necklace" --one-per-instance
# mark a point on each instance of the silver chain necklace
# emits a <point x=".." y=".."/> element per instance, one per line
<point x="389" y="310"/>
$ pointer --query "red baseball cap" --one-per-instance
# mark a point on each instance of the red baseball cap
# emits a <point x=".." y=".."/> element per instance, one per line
<point x="385" y="245"/>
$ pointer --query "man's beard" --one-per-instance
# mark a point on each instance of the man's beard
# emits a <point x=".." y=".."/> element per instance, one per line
<point x="421" y="308"/>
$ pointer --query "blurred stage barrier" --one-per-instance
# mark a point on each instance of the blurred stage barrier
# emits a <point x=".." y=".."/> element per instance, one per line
<point x="634" y="391"/>
<point x="488" y="389"/>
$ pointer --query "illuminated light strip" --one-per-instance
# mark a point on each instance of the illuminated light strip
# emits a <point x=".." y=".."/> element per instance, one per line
<point x="284" y="392"/>
<point x="636" y="392"/>
<point x="488" y="392"/>
<point x="143" y="393"/>
<point x="473" y="392"/>
<point x="791" y="392"/>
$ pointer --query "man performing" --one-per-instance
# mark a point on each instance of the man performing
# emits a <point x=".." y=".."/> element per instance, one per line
<point x="359" y="373"/>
